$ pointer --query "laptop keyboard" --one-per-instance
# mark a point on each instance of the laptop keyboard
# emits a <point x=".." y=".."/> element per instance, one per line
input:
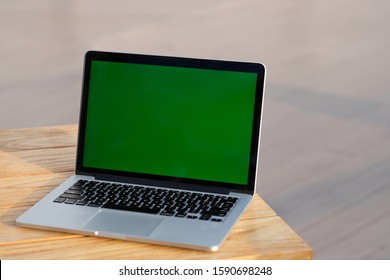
<point x="165" y="202"/>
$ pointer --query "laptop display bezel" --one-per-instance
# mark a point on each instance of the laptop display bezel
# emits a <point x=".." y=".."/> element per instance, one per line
<point x="167" y="181"/>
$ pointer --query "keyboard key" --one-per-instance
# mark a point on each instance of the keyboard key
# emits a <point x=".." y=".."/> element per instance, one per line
<point x="165" y="213"/>
<point x="192" y="217"/>
<point x="214" y="213"/>
<point x="79" y="183"/>
<point x="70" y="201"/>
<point x="81" y="202"/>
<point x="205" y="217"/>
<point x="71" y="196"/>
<point x="59" y="200"/>
<point x="180" y="215"/>
<point x="73" y="191"/>
<point x="130" y="208"/>
<point x="194" y="211"/>
<point x="91" y="204"/>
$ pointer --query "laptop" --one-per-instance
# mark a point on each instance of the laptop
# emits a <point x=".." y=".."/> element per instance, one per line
<point x="167" y="151"/>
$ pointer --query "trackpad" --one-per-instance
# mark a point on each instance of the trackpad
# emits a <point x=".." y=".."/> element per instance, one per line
<point x="123" y="223"/>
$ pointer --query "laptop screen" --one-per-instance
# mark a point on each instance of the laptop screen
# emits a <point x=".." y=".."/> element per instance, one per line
<point x="169" y="121"/>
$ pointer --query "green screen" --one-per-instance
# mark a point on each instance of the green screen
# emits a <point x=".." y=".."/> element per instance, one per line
<point x="172" y="121"/>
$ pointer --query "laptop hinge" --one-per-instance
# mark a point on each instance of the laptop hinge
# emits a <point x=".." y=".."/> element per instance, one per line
<point x="169" y="185"/>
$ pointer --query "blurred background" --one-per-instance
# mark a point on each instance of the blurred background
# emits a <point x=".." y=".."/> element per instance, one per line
<point x="325" y="153"/>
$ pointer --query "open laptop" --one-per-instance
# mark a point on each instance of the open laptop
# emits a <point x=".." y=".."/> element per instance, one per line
<point x="167" y="151"/>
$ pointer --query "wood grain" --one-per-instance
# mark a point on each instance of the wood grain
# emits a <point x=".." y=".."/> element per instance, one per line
<point x="34" y="161"/>
<point x="326" y="123"/>
<point x="269" y="239"/>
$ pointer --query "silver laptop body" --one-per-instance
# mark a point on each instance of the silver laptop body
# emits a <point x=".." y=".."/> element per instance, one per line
<point x="167" y="151"/>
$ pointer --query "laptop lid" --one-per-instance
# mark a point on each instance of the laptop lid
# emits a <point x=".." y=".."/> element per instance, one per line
<point x="175" y="122"/>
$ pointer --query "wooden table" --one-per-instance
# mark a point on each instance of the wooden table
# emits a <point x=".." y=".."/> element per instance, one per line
<point x="34" y="161"/>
